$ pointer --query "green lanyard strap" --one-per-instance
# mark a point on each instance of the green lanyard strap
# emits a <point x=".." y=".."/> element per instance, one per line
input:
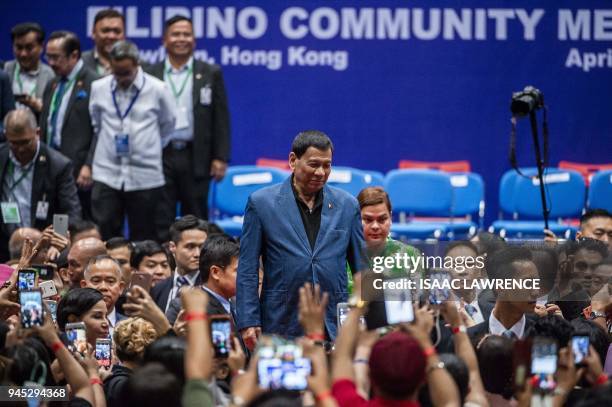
<point x="11" y="171"/>
<point x="20" y="83"/>
<point x="180" y="92"/>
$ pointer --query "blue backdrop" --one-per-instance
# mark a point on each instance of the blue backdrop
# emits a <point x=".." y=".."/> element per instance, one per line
<point x="387" y="80"/>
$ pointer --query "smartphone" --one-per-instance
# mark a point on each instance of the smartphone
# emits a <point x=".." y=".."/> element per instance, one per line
<point x="60" y="224"/>
<point x="20" y="96"/>
<point x="45" y="271"/>
<point x="103" y="352"/>
<point x="32" y="312"/>
<point x="521" y="362"/>
<point x="580" y="347"/>
<point x="221" y="334"/>
<point x="543" y="356"/>
<point x="398" y="305"/>
<point x="141" y="279"/>
<point x="439" y="287"/>
<point x="26" y="279"/>
<point x="282" y="366"/>
<point x="77" y="337"/>
<point x="52" y="307"/>
<point x="48" y="289"/>
<point x="342" y="310"/>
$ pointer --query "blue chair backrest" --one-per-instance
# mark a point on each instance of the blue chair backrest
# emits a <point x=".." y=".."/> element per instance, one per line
<point x="468" y="191"/>
<point x="374" y="178"/>
<point x="231" y="194"/>
<point x="565" y="194"/>
<point x="600" y="191"/>
<point x="349" y="179"/>
<point x="420" y="192"/>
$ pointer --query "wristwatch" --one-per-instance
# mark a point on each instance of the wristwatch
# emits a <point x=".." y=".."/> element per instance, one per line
<point x="596" y="314"/>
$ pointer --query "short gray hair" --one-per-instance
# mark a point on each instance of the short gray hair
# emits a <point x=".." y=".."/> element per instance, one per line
<point x="125" y="49"/>
<point x="92" y="262"/>
<point x="20" y="119"/>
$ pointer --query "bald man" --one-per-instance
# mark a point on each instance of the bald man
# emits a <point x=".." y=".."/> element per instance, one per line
<point x="104" y="274"/>
<point x="17" y="239"/>
<point x="79" y="256"/>
<point x="36" y="181"/>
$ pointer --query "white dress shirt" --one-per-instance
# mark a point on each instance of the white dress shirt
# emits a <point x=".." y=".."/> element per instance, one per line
<point x="477" y="316"/>
<point x="151" y="118"/>
<point x="112" y="321"/>
<point x="497" y="328"/>
<point x="180" y="82"/>
<point x="191" y="279"/>
<point x="61" y="113"/>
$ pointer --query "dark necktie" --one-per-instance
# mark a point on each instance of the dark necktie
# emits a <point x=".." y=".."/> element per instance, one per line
<point x="470" y="309"/>
<point x="61" y="88"/>
<point x="509" y="334"/>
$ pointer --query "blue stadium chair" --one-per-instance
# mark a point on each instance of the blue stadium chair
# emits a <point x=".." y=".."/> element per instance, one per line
<point x="229" y="197"/>
<point x="468" y="203"/>
<point x="374" y="178"/>
<point x="520" y="196"/>
<point x="349" y="179"/>
<point x="419" y="193"/>
<point x="600" y="191"/>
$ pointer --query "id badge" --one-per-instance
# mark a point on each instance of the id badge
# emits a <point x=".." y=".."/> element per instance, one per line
<point x="206" y="95"/>
<point x="10" y="212"/>
<point x="182" y="120"/>
<point x="122" y="145"/>
<point x="42" y="210"/>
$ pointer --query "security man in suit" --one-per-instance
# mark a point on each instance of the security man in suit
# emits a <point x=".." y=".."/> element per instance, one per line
<point x="199" y="148"/>
<point x="65" y="120"/>
<point x="35" y="181"/>
<point x="305" y="231"/>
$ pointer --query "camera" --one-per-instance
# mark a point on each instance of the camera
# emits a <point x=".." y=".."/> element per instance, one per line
<point x="528" y="100"/>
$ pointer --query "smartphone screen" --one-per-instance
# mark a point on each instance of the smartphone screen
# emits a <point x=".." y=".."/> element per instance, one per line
<point x="580" y="348"/>
<point x="282" y="366"/>
<point x="543" y="356"/>
<point x="221" y="332"/>
<point x="103" y="352"/>
<point x="52" y="307"/>
<point x="398" y="306"/>
<point x="60" y="224"/>
<point x="45" y="271"/>
<point x="440" y="286"/>
<point x="77" y="338"/>
<point x="32" y="313"/>
<point x="26" y="280"/>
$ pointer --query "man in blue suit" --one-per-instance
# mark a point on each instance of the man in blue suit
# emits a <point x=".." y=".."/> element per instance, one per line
<point x="304" y="231"/>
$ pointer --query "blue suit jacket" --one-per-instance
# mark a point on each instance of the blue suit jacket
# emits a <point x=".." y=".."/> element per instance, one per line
<point x="273" y="229"/>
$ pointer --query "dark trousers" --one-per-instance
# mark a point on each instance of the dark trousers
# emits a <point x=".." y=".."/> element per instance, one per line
<point x="181" y="186"/>
<point x="109" y="207"/>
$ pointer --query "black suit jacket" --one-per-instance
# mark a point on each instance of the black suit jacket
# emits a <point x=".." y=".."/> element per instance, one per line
<point x="211" y="139"/>
<point x="478" y="331"/>
<point x="161" y="291"/>
<point x="52" y="182"/>
<point x="77" y="132"/>
<point x="214" y="308"/>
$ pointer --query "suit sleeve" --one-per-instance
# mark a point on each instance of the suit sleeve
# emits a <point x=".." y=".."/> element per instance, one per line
<point x="221" y="124"/>
<point x="248" y="308"/>
<point x="94" y="115"/>
<point x="173" y="310"/>
<point x="356" y="254"/>
<point x="44" y="113"/>
<point x="68" y="200"/>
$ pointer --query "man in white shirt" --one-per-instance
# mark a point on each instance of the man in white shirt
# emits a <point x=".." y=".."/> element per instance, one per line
<point x="131" y="112"/>
<point x="509" y="316"/>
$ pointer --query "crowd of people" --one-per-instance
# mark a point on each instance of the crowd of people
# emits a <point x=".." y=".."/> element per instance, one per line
<point x="178" y="313"/>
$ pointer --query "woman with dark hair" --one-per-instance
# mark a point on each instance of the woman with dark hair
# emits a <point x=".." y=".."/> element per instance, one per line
<point x="84" y="305"/>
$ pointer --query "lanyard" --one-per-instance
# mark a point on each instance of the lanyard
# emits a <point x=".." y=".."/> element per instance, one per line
<point x="124" y="115"/>
<point x="24" y="173"/>
<point x="55" y="101"/>
<point x="180" y="92"/>
<point x="20" y="83"/>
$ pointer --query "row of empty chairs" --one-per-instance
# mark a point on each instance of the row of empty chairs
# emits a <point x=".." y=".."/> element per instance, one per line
<point x="435" y="204"/>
